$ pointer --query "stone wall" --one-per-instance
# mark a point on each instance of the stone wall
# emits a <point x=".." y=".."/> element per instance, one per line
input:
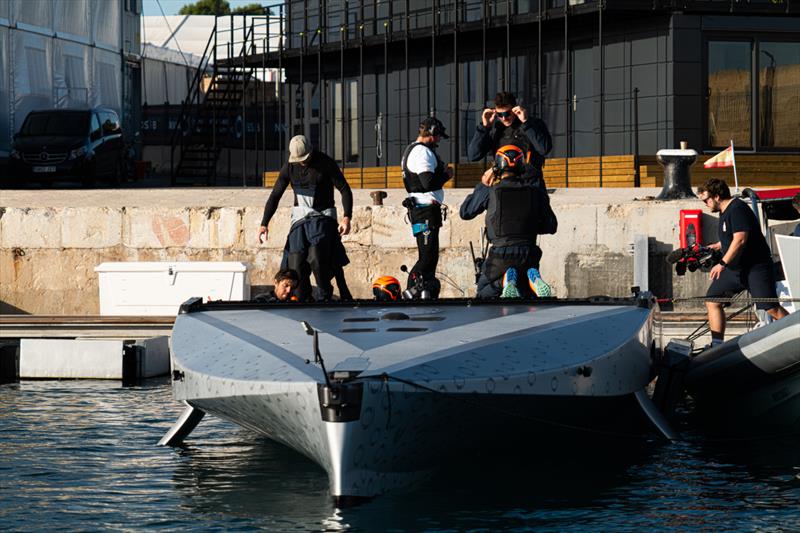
<point x="50" y="241"/>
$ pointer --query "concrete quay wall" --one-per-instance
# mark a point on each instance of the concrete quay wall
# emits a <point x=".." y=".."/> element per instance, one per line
<point x="50" y="241"/>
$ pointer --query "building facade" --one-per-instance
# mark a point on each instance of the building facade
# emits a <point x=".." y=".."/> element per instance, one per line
<point x="609" y="77"/>
<point x="68" y="53"/>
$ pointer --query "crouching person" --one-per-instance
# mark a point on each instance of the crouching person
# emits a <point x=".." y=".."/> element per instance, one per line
<point x="286" y="281"/>
<point x="517" y="210"/>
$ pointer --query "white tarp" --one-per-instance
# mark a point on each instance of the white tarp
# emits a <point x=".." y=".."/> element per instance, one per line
<point x="72" y="17"/>
<point x="33" y="76"/>
<point x="71" y="78"/>
<point x="58" y="53"/>
<point x="33" y="12"/>
<point x="106" y="22"/>
<point x="107" y="70"/>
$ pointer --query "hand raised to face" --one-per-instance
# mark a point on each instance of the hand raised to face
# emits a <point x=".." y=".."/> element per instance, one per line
<point x="521" y="113"/>
<point x="487" y="117"/>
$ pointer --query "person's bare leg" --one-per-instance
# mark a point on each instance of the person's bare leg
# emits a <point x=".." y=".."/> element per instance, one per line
<point x="716" y="320"/>
<point x="777" y="312"/>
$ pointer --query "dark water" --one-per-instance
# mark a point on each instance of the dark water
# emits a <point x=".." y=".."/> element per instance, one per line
<point x="81" y="455"/>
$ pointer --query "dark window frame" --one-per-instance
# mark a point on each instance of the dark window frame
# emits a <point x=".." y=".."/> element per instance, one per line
<point x="755" y="40"/>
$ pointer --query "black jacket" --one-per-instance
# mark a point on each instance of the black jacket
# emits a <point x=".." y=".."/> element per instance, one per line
<point x="533" y="132"/>
<point x="317" y="179"/>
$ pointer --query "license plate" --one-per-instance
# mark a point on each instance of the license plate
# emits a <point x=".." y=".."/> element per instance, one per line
<point x="44" y="169"/>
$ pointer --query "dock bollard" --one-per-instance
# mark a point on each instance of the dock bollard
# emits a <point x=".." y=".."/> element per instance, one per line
<point x="377" y="197"/>
<point x="677" y="174"/>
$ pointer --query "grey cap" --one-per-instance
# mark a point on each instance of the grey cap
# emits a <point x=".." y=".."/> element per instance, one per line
<point x="299" y="149"/>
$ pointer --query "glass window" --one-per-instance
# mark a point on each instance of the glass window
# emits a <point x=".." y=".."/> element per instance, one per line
<point x="779" y="94"/>
<point x="729" y="93"/>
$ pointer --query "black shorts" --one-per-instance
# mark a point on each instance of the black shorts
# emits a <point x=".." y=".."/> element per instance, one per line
<point x="758" y="279"/>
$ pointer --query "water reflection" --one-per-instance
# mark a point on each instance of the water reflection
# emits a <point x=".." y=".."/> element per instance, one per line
<point x="82" y="455"/>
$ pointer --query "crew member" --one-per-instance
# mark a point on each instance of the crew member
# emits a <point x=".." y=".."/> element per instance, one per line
<point x="286" y="281"/>
<point x="313" y="244"/>
<point x="424" y="175"/>
<point x="746" y="259"/>
<point x="509" y="123"/>
<point x="517" y="210"/>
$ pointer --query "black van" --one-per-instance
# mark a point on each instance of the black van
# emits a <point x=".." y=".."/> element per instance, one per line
<point x="84" y="144"/>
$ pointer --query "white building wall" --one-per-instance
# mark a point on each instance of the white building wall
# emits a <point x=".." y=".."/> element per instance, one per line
<point x="58" y="54"/>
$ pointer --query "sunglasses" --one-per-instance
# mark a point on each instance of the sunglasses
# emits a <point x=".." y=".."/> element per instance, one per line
<point x="706" y="199"/>
<point x="503" y="114"/>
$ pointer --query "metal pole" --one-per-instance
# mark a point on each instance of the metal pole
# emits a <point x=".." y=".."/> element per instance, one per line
<point x="361" y="98"/>
<point x="343" y="101"/>
<point x="602" y="81"/>
<point x="385" y="126"/>
<point x="540" y="111"/>
<point x="408" y="79"/>
<point x="455" y="103"/>
<point x="507" y="71"/>
<point x="214" y="88"/>
<point x="281" y="118"/>
<point x="636" y="175"/>
<point x="244" y="104"/>
<point x="432" y="88"/>
<point x="484" y="75"/>
<point x="567" y="88"/>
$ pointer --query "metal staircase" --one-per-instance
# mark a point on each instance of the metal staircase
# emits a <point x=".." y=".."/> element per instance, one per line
<point x="209" y="114"/>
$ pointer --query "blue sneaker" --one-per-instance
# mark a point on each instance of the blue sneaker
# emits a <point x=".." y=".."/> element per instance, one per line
<point x="539" y="287"/>
<point x="510" y="289"/>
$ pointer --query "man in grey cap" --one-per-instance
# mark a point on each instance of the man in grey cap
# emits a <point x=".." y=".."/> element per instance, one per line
<point x="313" y="244"/>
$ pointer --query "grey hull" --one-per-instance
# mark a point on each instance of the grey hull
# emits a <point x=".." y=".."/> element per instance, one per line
<point x="444" y="378"/>
<point x="752" y="380"/>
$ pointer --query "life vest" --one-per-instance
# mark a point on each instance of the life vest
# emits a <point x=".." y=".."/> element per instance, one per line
<point x="423" y="203"/>
<point x="512" y="216"/>
<point x="411" y="180"/>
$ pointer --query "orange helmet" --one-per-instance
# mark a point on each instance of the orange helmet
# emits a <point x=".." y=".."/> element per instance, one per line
<point x="509" y="158"/>
<point x="386" y="288"/>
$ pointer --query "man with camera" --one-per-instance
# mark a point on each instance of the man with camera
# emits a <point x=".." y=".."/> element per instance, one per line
<point x="746" y="262"/>
<point x="424" y="175"/>
<point x="509" y="123"/>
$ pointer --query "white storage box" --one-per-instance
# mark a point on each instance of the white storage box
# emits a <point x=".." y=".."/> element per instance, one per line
<point x="159" y="288"/>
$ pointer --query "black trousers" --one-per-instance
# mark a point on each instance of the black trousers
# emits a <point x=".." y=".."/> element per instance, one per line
<point x="428" y="254"/>
<point x="522" y="257"/>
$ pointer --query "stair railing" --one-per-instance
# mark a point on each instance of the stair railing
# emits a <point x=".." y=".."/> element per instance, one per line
<point x="194" y="93"/>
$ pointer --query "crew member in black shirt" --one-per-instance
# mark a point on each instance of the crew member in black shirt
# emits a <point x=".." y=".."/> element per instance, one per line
<point x="746" y="259"/>
<point x="509" y="123"/>
<point x="313" y="244"/>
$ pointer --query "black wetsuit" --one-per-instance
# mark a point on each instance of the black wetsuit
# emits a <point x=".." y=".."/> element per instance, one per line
<point x="313" y="243"/>
<point x="531" y="136"/>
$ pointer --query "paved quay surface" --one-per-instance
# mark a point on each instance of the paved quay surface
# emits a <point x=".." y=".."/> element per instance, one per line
<point x="51" y="240"/>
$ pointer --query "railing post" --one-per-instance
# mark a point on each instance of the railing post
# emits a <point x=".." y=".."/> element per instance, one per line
<point x="636" y="175"/>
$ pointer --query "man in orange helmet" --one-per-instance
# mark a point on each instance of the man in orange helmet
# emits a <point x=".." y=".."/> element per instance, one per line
<point x="517" y="210"/>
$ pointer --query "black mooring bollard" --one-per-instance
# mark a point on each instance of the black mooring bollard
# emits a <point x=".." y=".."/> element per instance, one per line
<point x="677" y="174"/>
